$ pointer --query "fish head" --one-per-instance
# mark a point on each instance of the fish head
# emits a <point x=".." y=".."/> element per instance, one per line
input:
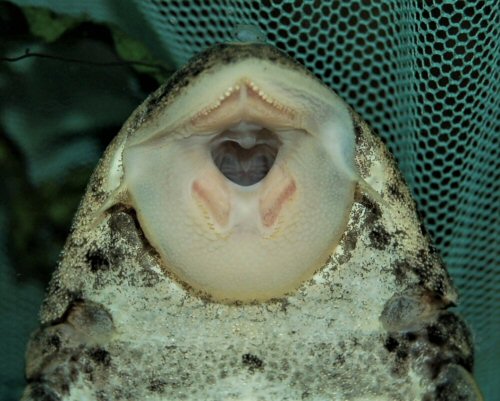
<point x="244" y="180"/>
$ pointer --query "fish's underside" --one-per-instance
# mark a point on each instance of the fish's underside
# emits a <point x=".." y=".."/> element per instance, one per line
<point x="247" y="237"/>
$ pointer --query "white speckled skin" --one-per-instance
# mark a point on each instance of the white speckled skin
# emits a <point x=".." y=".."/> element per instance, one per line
<point x="369" y="324"/>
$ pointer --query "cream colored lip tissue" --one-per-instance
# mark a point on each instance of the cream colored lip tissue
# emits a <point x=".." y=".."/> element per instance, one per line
<point x="247" y="237"/>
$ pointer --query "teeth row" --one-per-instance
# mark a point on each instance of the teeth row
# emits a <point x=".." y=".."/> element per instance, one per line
<point x="273" y="102"/>
<point x="229" y="91"/>
<point x="207" y="110"/>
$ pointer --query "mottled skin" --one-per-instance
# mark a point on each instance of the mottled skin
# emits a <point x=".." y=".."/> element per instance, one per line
<point x="371" y="324"/>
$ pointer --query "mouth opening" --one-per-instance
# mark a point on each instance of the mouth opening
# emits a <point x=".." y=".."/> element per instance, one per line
<point x="245" y="153"/>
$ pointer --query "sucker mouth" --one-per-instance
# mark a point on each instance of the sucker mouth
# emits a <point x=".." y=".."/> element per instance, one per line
<point x="245" y="153"/>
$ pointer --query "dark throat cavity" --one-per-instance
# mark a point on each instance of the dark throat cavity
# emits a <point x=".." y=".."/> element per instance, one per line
<point x="246" y="153"/>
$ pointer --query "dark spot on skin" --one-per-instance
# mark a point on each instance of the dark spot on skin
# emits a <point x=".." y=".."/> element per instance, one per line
<point x="450" y="320"/>
<point x="400" y="269"/>
<point x="75" y="297"/>
<point x="446" y="344"/>
<point x="379" y="237"/>
<point x="436" y="364"/>
<point x="401" y="360"/>
<point x="400" y="367"/>
<point x="65" y="388"/>
<point x="96" y="185"/>
<point x="358" y="131"/>
<point x="411" y="337"/>
<point x="431" y="273"/>
<point x="96" y="260"/>
<point x="373" y="210"/>
<point x="55" y="341"/>
<point x="40" y="392"/>
<point x="402" y="354"/>
<point x="252" y="362"/>
<point x="101" y="395"/>
<point x="458" y="339"/>
<point x="394" y="191"/>
<point x="435" y="335"/>
<point x="157" y="385"/>
<point x="282" y="302"/>
<point x="128" y="241"/>
<point x="100" y="356"/>
<point x="348" y="241"/>
<point x="448" y="392"/>
<point x="87" y="369"/>
<point x="125" y="225"/>
<point x="391" y="344"/>
<point x="340" y="359"/>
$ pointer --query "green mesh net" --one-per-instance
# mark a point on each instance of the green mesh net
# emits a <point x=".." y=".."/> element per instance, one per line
<point x="424" y="74"/>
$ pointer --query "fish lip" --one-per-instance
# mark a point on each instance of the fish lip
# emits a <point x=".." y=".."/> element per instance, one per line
<point x="243" y="102"/>
<point x="250" y="118"/>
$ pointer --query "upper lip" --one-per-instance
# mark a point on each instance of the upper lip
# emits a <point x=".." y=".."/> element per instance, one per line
<point x="243" y="102"/>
